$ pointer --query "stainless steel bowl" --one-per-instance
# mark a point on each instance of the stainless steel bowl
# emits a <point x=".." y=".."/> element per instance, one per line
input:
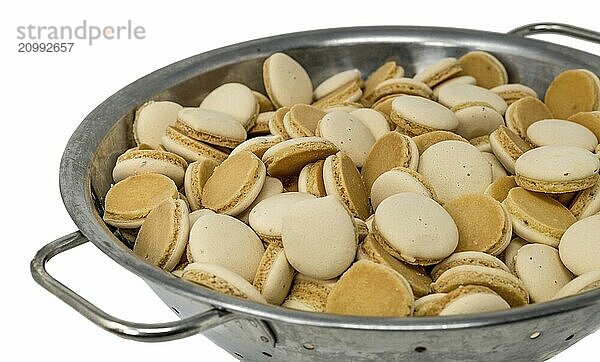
<point x="262" y="332"/>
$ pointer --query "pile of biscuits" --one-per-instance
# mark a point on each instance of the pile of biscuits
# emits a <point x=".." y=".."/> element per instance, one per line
<point x="450" y="192"/>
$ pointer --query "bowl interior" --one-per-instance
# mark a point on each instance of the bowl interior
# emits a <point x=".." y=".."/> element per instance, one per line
<point x="86" y="169"/>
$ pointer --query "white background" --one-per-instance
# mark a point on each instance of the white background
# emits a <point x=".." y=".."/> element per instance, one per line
<point x="45" y="96"/>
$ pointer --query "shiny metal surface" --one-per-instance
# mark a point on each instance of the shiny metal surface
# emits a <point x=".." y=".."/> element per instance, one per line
<point x="85" y="176"/>
<point x="557" y="28"/>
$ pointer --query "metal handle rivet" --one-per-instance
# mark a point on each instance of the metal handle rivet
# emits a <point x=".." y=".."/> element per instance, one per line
<point x="534" y="335"/>
<point x="308" y="346"/>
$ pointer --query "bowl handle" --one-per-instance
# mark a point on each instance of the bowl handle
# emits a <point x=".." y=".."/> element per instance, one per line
<point x="557" y="28"/>
<point x="145" y="332"/>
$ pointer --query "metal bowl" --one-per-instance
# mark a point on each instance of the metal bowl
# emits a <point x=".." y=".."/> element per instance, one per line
<point x="262" y="332"/>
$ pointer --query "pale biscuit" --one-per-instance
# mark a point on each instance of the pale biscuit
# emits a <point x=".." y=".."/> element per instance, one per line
<point x="541" y="270"/>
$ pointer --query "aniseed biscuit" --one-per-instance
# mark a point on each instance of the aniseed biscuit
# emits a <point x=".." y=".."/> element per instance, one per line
<point x="384" y="106"/>
<point x="541" y="270"/>
<point x="513" y="92"/>
<point x="580" y="246"/>
<point x="136" y="161"/>
<point x="225" y="240"/>
<point x="349" y="134"/>
<point x="349" y="92"/>
<point x="476" y="119"/>
<point x="581" y="284"/>
<point x="319" y="237"/>
<point x="523" y="113"/>
<point x="234" y="184"/>
<point x="397" y="180"/>
<point x="424" y="304"/>
<point x="128" y="202"/>
<point x="557" y="169"/>
<point x="289" y="157"/>
<point x="416" y="276"/>
<point x="392" y="150"/>
<point x="426" y="140"/>
<point x="439" y="71"/>
<point x="415" y="229"/>
<point x="276" y="124"/>
<point x="302" y="120"/>
<point x="467" y="299"/>
<point x="455" y="168"/>
<point x="485" y="68"/>
<point x="257" y="145"/>
<point x="483" y="223"/>
<point x="222" y="280"/>
<point x="508" y="286"/>
<point x="151" y="120"/>
<point x="463" y="79"/>
<point x="163" y="236"/>
<point x="212" y="127"/>
<point x="286" y="81"/>
<point x="374" y="120"/>
<point x="271" y="187"/>
<point x="308" y="294"/>
<point x="235" y="99"/>
<point x="266" y="218"/>
<point x="586" y="202"/>
<point x="561" y="132"/>
<point x="397" y="86"/>
<point x="536" y="217"/>
<point x="467" y="258"/>
<point x="507" y="146"/>
<point x="190" y="149"/>
<point x="384" y="72"/>
<point x="591" y="120"/>
<point x="336" y="81"/>
<point x="573" y="91"/>
<point x="342" y="180"/>
<point x="194" y="216"/>
<point x="417" y="115"/>
<point x="455" y="95"/>
<point x="274" y="275"/>
<point x="511" y="251"/>
<point x="310" y="179"/>
<point x="196" y="176"/>
<point x="371" y="289"/>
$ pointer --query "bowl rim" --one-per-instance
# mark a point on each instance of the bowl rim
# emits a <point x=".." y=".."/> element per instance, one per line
<point x="75" y="167"/>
